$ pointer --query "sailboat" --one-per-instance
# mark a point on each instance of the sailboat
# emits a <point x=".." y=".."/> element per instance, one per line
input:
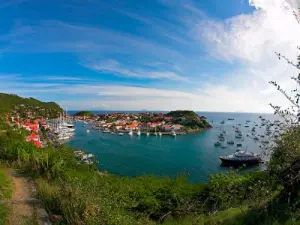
<point x="147" y="131"/>
<point x="155" y="132"/>
<point x="130" y="133"/>
<point x="173" y="133"/>
<point x="138" y="133"/>
<point x="160" y="134"/>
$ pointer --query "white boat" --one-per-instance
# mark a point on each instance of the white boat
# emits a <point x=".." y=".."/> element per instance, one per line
<point x="138" y="133"/>
<point x="121" y="134"/>
<point x="130" y="133"/>
<point x="90" y="155"/>
<point x="160" y="134"/>
<point x="148" y="133"/>
<point x="173" y="133"/>
<point x="88" y="131"/>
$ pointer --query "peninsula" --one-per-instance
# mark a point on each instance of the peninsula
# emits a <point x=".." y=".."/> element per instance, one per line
<point x="180" y="121"/>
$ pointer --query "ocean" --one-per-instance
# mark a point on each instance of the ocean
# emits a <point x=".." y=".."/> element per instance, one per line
<point x="191" y="154"/>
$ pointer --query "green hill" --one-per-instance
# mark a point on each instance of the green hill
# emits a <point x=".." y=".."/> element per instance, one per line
<point x="84" y="113"/>
<point x="189" y="119"/>
<point x="16" y="104"/>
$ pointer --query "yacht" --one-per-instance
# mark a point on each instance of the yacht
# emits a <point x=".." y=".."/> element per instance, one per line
<point x="121" y="134"/>
<point x="148" y="133"/>
<point x="240" y="158"/>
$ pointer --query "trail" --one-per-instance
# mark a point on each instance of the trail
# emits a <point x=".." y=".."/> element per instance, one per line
<point x="25" y="208"/>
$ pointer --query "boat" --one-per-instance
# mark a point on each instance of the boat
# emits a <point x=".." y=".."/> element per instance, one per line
<point x="88" y="131"/>
<point x="148" y="133"/>
<point x="230" y="118"/>
<point x="241" y="158"/>
<point x="217" y="144"/>
<point x="138" y="133"/>
<point x="106" y="131"/>
<point x="230" y="142"/>
<point x="222" y="122"/>
<point x="160" y="134"/>
<point x="173" y="133"/>
<point x="121" y="134"/>
<point x="239" y="145"/>
<point x="130" y="133"/>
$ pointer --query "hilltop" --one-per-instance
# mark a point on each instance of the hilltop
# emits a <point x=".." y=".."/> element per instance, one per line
<point x="189" y="119"/>
<point x="84" y="113"/>
<point x="28" y="106"/>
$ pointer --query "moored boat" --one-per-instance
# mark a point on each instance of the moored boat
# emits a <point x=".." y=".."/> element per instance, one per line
<point x="241" y="158"/>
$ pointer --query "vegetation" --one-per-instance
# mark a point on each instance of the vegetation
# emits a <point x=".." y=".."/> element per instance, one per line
<point x="24" y="106"/>
<point x="5" y="193"/>
<point x="83" y="196"/>
<point x="189" y="119"/>
<point x="84" y="113"/>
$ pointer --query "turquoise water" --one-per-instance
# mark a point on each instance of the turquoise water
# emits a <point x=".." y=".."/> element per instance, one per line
<point x="194" y="154"/>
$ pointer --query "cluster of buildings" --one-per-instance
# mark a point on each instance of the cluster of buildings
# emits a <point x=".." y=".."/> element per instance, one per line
<point x="136" y="122"/>
<point x="33" y="126"/>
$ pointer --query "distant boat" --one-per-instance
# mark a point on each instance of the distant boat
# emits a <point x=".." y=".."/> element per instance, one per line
<point x="173" y="133"/>
<point x="121" y="134"/>
<point x="160" y="134"/>
<point x="239" y="145"/>
<point x="230" y="118"/>
<point x="130" y="133"/>
<point x="222" y="122"/>
<point x="88" y="131"/>
<point x="217" y="144"/>
<point x="148" y="133"/>
<point x="230" y="142"/>
<point x="138" y="133"/>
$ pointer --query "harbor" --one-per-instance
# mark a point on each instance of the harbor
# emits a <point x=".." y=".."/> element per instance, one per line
<point x="193" y="153"/>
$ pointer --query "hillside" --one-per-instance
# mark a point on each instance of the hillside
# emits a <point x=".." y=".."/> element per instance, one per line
<point x="24" y="106"/>
<point x="84" y="113"/>
<point x="189" y="119"/>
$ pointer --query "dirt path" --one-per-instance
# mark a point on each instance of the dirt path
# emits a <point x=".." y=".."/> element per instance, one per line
<point x="26" y="209"/>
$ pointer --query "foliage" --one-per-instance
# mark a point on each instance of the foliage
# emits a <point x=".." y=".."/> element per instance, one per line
<point x="189" y="119"/>
<point x="21" y="106"/>
<point x="84" y="113"/>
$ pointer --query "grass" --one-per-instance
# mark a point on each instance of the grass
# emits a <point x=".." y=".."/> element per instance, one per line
<point x="5" y="193"/>
<point x="5" y="185"/>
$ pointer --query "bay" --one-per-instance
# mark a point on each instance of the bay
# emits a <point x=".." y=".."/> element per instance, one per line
<point x="192" y="154"/>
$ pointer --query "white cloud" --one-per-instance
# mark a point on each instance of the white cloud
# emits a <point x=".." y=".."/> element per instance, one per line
<point x="251" y="40"/>
<point x="112" y="66"/>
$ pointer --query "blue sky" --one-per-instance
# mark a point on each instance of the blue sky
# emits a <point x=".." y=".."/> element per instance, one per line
<point x="131" y="55"/>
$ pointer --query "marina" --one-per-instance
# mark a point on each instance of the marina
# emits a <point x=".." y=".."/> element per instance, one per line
<point x="194" y="153"/>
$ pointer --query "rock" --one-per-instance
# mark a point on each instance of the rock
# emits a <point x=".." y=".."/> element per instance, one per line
<point x="55" y="218"/>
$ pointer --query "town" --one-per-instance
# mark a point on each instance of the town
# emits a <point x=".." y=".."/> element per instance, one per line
<point x="143" y="123"/>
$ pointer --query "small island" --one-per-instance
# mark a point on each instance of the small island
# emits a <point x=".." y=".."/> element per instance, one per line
<point x="174" y="122"/>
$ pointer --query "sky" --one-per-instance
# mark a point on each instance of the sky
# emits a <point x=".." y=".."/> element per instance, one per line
<point x="204" y="55"/>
